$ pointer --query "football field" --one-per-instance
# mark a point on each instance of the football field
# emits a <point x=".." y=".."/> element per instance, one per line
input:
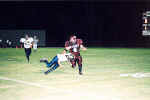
<point x="108" y="74"/>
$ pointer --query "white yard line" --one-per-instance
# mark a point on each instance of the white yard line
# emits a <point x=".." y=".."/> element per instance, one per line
<point x="136" y="75"/>
<point x="89" y="54"/>
<point x="34" y="84"/>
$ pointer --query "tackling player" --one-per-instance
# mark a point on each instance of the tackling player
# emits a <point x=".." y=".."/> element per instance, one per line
<point x="74" y="45"/>
<point x="56" y="61"/>
<point x="28" y="41"/>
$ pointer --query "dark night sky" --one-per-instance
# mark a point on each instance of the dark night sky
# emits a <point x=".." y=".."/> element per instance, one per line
<point x="95" y="22"/>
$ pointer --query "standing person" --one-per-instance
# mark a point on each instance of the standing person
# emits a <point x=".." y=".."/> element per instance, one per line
<point x="1" y="45"/>
<point x="9" y="44"/>
<point x="56" y="61"/>
<point x="27" y="41"/>
<point x="73" y="46"/>
<point x="35" y="41"/>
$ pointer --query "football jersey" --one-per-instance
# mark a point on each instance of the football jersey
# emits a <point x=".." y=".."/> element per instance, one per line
<point x="63" y="57"/>
<point x="75" y="47"/>
<point x="27" y="42"/>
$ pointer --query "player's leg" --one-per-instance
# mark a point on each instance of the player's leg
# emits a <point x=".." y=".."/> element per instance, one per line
<point x="28" y="52"/>
<point x="45" y="60"/>
<point x="79" y="61"/>
<point x="73" y="62"/>
<point x="54" y="60"/>
<point x="49" y="64"/>
<point x="52" y="69"/>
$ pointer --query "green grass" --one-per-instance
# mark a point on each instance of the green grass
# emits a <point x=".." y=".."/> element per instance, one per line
<point x="101" y="80"/>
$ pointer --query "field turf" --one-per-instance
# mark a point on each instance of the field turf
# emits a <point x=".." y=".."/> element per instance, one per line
<point x="102" y="68"/>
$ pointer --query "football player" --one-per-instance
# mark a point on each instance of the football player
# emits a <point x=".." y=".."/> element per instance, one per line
<point x="73" y="46"/>
<point x="27" y="41"/>
<point x="56" y="61"/>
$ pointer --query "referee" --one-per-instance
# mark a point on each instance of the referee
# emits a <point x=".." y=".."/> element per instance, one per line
<point x="27" y="41"/>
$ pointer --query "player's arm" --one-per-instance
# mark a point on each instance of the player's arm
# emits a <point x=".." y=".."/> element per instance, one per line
<point x="60" y="65"/>
<point x="67" y="46"/>
<point x="81" y="45"/>
<point x="31" y="45"/>
<point x="22" y="40"/>
<point x="31" y="39"/>
<point x="83" y="48"/>
<point x="70" y="57"/>
<point x="64" y="51"/>
<point x="69" y="63"/>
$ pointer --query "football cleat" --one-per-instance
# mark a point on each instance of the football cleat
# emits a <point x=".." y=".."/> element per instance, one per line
<point x="73" y="66"/>
<point x="44" y="60"/>
<point x="45" y="73"/>
<point x="80" y="73"/>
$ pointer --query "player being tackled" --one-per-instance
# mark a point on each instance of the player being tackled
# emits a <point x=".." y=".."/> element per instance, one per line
<point x="56" y="61"/>
<point x="73" y="46"/>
